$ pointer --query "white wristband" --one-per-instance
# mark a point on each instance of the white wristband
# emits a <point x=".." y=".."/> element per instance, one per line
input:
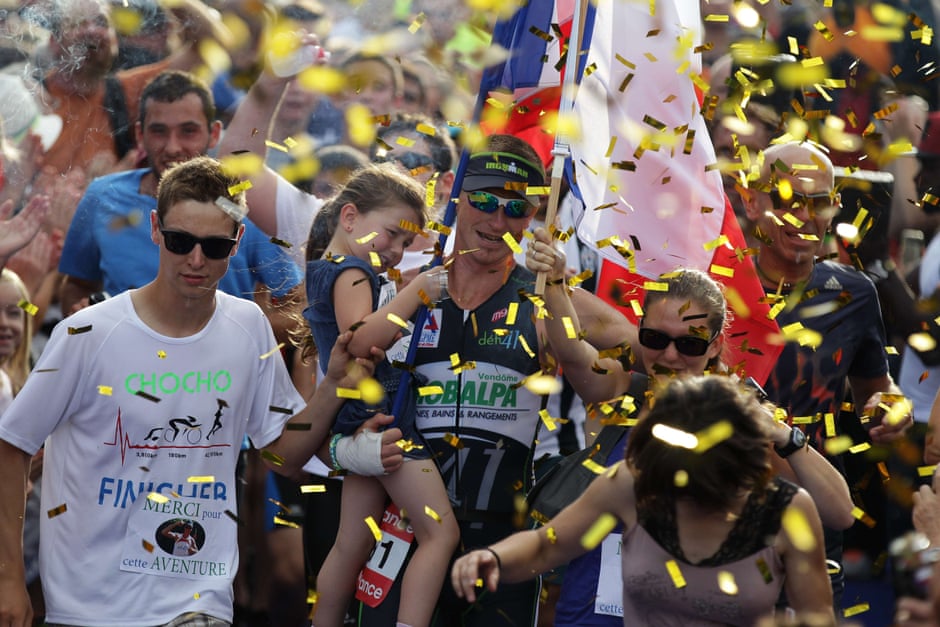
<point x="361" y="454"/>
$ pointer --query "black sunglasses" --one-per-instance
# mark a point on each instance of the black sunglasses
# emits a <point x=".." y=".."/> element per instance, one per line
<point x="688" y="345"/>
<point x="813" y="202"/>
<point x="488" y="203"/>
<point x="409" y="160"/>
<point x="182" y="243"/>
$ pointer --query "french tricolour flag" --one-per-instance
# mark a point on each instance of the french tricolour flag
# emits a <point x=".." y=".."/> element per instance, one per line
<point x="642" y="157"/>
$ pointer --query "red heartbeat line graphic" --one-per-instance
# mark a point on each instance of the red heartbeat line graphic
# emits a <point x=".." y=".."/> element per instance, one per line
<point x="121" y="439"/>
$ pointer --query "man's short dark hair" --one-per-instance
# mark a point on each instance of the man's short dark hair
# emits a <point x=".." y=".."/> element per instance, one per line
<point x="173" y="85"/>
<point x="443" y="150"/>
<point x="201" y="179"/>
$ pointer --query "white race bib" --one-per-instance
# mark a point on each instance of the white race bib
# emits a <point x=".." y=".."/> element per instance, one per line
<point x="609" y="600"/>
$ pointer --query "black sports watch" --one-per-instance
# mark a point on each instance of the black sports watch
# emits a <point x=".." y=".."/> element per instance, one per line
<point x="797" y="441"/>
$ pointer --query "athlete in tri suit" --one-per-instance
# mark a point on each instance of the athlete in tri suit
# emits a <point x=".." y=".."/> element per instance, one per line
<point x="478" y="347"/>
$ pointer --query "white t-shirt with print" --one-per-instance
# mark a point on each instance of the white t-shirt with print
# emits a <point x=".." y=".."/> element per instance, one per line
<point x="141" y="431"/>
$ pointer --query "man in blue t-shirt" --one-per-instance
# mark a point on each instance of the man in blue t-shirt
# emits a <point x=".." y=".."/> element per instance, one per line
<point x="829" y="311"/>
<point x="108" y="246"/>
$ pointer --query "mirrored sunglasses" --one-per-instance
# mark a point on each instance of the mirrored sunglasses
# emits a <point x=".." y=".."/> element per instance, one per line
<point x="812" y="202"/>
<point x="688" y="345"/>
<point x="488" y="203"/>
<point x="182" y="243"/>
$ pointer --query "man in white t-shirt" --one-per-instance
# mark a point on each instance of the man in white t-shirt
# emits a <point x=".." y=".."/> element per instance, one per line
<point x="142" y="402"/>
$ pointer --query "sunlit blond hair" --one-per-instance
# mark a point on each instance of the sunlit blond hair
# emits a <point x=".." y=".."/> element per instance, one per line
<point x="17" y="366"/>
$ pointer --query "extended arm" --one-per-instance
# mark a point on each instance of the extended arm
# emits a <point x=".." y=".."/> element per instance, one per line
<point x="247" y="132"/>
<point x="804" y="559"/>
<point x="15" y="606"/>
<point x="525" y="554"/>
<point x="816" y="475"/>
<point x="593" y="378"/>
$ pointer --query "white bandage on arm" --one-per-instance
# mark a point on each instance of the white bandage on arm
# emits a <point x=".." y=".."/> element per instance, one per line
<point x="361" y="454"/>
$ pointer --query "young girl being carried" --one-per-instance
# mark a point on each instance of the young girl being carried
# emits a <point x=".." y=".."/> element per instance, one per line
<point x="360" y="233"/>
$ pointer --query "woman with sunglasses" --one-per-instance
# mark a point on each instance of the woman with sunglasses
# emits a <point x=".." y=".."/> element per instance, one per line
<point x="680" y="334"/>
<point x="710" y="537"/>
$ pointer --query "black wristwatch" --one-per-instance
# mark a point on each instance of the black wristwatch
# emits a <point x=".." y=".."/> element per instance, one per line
<point x="797" y="441"/>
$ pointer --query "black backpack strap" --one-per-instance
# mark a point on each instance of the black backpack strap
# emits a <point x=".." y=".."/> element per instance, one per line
<point x="115" y="104"/>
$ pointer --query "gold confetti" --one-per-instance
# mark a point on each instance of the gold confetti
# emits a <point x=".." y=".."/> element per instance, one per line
<point x="512" y="243"/>
<point x="855" y="609"/>
<point x="147" y="546"/>
<point x="78" y="330"/>
<point x="283" y="522"/>
<point x="28" y="307"/>
<point x="672" y="567"/>
<point x="374" y="528"/>
<point x="365" y="239"/>
<point x="453" y="440"/>
<point x="604" y="524"/>
<point x="239" y="188"/>
<point x="273" y="351"/>
<point x="201" y="479"/>
<point x="371" y="391"/>
<point x="55" y="511"/>
<point x="274" y="458"/>
<point x="543" y="384"/>
<point x="312" y="488"/>
<point x="569" y="327"/>
<point x="374" y="259"/>
<point x="105" y="390"/>
<point x="161" y="354"/>
<point x="547" y="420"/>
<point x="156" y="497"/>
<point x="726" y="583"/>
<point x="798" y="529"/>
<point x="434" y="515"/>
<point x="396" y="320"/>
<point x="430" y="390"/>
<point x="860" y="448"/>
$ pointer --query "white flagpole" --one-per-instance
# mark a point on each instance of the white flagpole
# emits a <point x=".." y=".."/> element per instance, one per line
<point x="562" y="149"/>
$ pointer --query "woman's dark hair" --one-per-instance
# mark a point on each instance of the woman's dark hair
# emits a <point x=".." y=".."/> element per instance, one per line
<point x="713" y="474"/>
<point x="372" y="187"/>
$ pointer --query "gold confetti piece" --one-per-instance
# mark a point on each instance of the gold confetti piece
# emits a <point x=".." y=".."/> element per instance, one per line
<point x="365" y="239"/>
<point x="201" y="479"/>
<point x="371" y="391"/>
<point x="312" y="488"/>
<point x="453" y="440"/>
<point x="105" y="390"/>
<point x="512" y="243"/>
<point x="569" y="327"/>
<point x="726" y="583"/>
<point x="675" y="437"/>
<point x="656" y="286"/>
<point x="156" y="497"/>
<point x="434" y="515"/>
<point x="551" y="536"/>
<point x="859" y="514"/>
<point x="396" y="320"/>
<point x="604" y="524"/>
<point x="533" y="190"/>
<point x="275" y="145"/>
<point x="283" y="522"/>
<point x="430" y="390"/>
<point x="273" y="351"/>
<point x="672" y="567"/>
<point x="238" y="188"/>
<point x="417" y="23"/>
<point x="721" y="270"/>
<point x="830" y="420"/>
<point x="511" y="314"/>
<point x="525" y="347"/>
<point x="855" y="609"/>
<point x="812" y="62"/>
<point x="274" y="458"/>
<point x="838" y="444"/>
<point x="28" y="307"/>
<point x="161" y="354"/>
<point x="798" y="529"/>
<point x="593" y="466"/>
<point x="764" y="569"/>
<point x="147" y="546"/>
<point x="374" y="528"/>
<point x="55" y="511"/>
<point x="437" y="227"/>
<point x="926" y="471"/>
<point x="680" y="479"/>
<point x="860" y="448"/>
<point x="78" y="330"/>
<point x="717" y="17"/>
<point x="374" y="259"/>
<point x="547" y="420"/>
<point x="713" y="435"/>
<point x="543" y="384"/>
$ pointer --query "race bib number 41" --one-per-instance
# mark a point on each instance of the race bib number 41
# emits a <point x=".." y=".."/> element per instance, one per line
<point x="387" y="559"/>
